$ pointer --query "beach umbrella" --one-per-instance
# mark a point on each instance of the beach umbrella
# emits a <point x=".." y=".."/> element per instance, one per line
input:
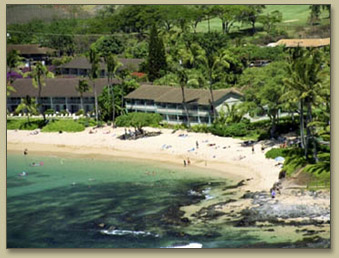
<point x="279" y="159"/>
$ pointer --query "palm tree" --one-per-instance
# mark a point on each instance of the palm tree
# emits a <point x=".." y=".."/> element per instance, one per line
<point x="183" y="81"/>
<point x="304" y="85"/>
<point x="112" y="64"/>
<point x="94" y="59"/>
<point x="39" y="74"/>
<point x="82" y="88"/>
<point x="214" y="66"/>
<point x="28" y="105"/>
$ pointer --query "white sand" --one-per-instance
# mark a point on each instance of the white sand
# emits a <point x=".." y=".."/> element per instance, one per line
<point x="222" y="159"/>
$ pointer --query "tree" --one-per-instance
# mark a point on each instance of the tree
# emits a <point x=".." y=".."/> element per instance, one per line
<point x="61" y="37"/>
<point x="197" y="16"/>
<point x="314" y="14"/>
<point x="94" y="59"/>
<point x="213" y="66"/>
<point x="82" y="87"/>
<point x="106" y="45"/>
<point x="306" y="82"/>
<point x="13" y="61"/>
<point x="39" y="74"/>
<point x="28" y="105"/>
<point x="112" y="65"/>
<point x="269" y="20"/>
<point x="263" y="90"/>
<point x="228" y="15"/>
<point x="183" y="79"/>
<point x="328" y="8"/>
<point x="250" y="14"/>
<point x="156" y="55"/>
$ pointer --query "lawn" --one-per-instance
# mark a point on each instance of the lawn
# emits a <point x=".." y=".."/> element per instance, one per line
<point x="293" y="16"/>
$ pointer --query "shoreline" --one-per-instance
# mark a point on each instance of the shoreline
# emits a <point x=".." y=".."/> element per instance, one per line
<point x="225" y="158"/>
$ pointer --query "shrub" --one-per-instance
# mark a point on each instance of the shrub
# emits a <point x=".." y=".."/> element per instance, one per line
<point x="87" y="121"/>
<point x="232" y="130"/>
<point x="63" y="125"/>
<point x="202" y="128"/>
<point x="49" y="111"/>
<point x="139" y="120"/>
<point x="80" y="112"/>
<point x="22" y="124"/>
<point x="275" y="152"/>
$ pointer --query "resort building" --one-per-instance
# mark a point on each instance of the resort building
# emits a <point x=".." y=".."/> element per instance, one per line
<point x="80" y="66"/>
<point x="167" y="101"/>
<point x="33" y="53"/>
<point x="59" y="94"/>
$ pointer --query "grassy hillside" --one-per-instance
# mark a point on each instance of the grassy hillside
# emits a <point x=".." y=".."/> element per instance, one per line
<point x="294" y="17"/>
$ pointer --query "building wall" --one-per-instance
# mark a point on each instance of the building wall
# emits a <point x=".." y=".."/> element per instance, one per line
<point x="174" y="113"/>
<point x="70" y="104"/>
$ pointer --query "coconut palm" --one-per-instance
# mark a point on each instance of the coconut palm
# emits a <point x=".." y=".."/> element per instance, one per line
<point x="305" y="84"/>
<point x="214" y="66"/>
<point x="112" y="64"/>
<point x="28" y="105"/>
<point x="94" y="59"/>
<point x="82" y="87"/>
<point x="39" y="74"/>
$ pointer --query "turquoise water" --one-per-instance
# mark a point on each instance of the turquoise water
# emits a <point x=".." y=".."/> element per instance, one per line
<point x="87" y="203"/>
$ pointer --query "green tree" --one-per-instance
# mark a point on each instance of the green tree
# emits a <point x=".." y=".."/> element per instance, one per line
<point x="94" y="59"/>
<point x="156" y="55"/>
<point x="109" y="45"/>
<point x="61" y="37"/>
<point x="213" y="67"/>
<point x="112" y="65"/>
<point x="228" y="14"/>
<point x="306" y="82"/>
<point x="264" y="88"/>
<point x="13" y="61"/>
<point x="270" y="20"/>
<point x="39" y="74"/>
<point x="314" y="14"/>
<point x="250" y="14"/>
<point x="28" y="105"/>
<point x="82" y="87"/>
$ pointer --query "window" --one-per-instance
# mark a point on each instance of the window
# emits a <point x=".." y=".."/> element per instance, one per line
<point x="172" y="117"/>
<point x="204" y="120"/>
<point x="194" y="119"/>
<point x="171" y="106"/>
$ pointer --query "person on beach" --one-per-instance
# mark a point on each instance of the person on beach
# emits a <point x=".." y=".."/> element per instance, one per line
<point x="197" y="144"/>
<point x="25" y="152"/>
<point x="188" y="161"/>
<point x="262" y="148"/>
<point x="252" y="149"/>
<point x="184" y="163"/>
<point x="273" y="193"/>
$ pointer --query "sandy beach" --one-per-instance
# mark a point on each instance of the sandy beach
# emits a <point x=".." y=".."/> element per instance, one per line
<point x="221" y="156"/>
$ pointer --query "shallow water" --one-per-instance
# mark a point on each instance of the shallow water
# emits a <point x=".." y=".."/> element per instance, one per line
<point x="82" y="202"/>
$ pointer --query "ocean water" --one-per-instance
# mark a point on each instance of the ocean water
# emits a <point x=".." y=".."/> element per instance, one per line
<point x="114" y="203"/>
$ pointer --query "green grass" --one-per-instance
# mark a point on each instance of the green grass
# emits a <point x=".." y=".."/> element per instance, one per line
<point x="23" y="124"/>
<point x="63" y="125"/>
<point x="293" y="16"/>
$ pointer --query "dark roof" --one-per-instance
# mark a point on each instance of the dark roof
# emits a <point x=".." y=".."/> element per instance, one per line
<point x="82" y="62"/>
<point x="167" y="94"/>
<point x="56" y="87"/>
<point x="31" y="49"/>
